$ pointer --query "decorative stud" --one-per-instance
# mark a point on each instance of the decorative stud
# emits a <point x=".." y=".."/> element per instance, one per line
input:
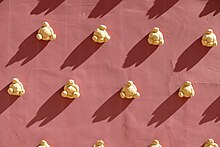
<point x="71" y="90"/>
<point x="99" y="143"/>
<point x="209" y="38"/>
<point x="155" y="143"/>
<point x="43" y="143"/>
<point x="129" y="91"/>
<point x="46" y="32"/>
<point x="100" y="35"/>
<point x="155" y="37"/>
<point x="186" y="90"/>
<point x="16" y="88"/>
<point x="210" y="143"/>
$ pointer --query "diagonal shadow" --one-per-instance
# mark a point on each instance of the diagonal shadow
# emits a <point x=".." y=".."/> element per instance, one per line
<point x="103" y="7"/>
<point x="81" y="53"/>
<point x="28" y="49"/>
<point x="111" y="108"/>
<point x="160" y="7"/>
<point x="172" y="104"/>
<point x="211" y="6"/>
<point x="191" y="56"/>
<point x="1" y="1"/>
<point x="6" y="100"/>
<point x="139" y="53"/>
<point x="46" y="5"/>
<point x="212" y="112"/>
<point x="55" y="105"/>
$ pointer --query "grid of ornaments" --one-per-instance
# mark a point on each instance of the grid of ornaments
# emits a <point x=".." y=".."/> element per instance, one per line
<point x="129" y="91"/>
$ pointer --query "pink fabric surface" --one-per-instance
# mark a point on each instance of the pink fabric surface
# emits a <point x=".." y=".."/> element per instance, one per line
<point x="101" y="71"/>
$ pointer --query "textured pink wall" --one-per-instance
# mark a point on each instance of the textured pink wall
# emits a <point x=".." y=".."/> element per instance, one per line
<point x="101" y="70"/>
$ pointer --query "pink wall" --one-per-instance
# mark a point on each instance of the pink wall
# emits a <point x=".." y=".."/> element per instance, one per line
<point x="101" y="70"/>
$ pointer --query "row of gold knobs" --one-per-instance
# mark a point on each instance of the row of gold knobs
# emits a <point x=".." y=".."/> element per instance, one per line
<point x="155" y="143"/>
<point x="101" y="35"/>
<point x="71" y="90"/>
